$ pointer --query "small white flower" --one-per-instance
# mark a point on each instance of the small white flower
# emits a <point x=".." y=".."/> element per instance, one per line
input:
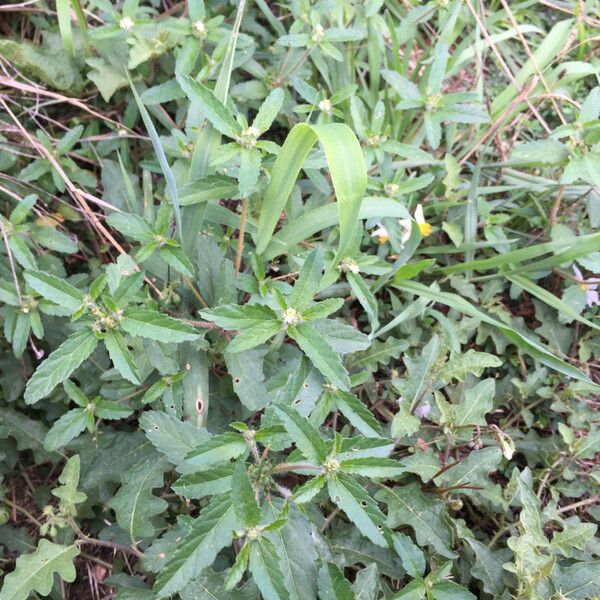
<point x="318" y="33"/>
<point x="589" y="286"/>
<point x="349" y="264"/>
<point x="420" y="219"/>
<point x="381" y="233"/>
<point x="290" y="316"/>
<point x="330" y="466"/>
<point x="424" y="227"/>
<point x="325" y="105"/>
<point x="406" y="225"/>
<point x="391" y="189"/>
<point x="253" y="131"/>
<point x="126" y="24"/>
<point x="249" y="137"/>
<point x="199" y="26"/>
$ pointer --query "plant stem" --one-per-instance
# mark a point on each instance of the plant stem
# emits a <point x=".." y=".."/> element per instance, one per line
<point x="196" y="293"/>
<point x="11" y="262"/>
<point x="23" y="511"/>
<point x="304" y="56"/>
<point x="84" y="539"/>
<point x="97" y="560"/>
<point x="285" y="467"/>
<point x="579" y="504"/>
<point x="241" y="233"/>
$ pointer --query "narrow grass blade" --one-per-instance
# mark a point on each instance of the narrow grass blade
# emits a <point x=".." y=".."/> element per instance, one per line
<point x="348" y="174"/>
<point x="162" y="158"/>
<point x="531" y="347"/>
<point x="588" y="242"/>
<point x="63" y="12"/>
<point x="550" y="299"/>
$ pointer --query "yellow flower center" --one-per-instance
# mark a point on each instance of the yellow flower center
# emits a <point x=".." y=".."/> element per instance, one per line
<point x="584" y="286"/>
<point x="383" y="238"/>
<point x="425" y="229"/>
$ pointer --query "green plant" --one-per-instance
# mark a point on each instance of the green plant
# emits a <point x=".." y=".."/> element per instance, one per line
<point x="299" y="300"/>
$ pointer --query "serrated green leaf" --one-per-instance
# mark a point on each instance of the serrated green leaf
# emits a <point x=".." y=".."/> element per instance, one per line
<point x="238" y="569"/>
<point x="322" y="355"/>
<point x="531" y="517"/>
<point x="233" y="316"/>
<point x="487" y="567"/>
<point x="210" y="532"/>
<point x="217" y="449"/>
<point x="175" y="257"/>
<point x="56" y="290"/>
<point x="105" y="409"/>
<point x="366" y="298"/>
<point x="156" y="326"/>
<point x="472" y="470"/>
<point x="308" y="281"/>
<point x="210" y="105"/>
<point x="413" y="559"/>
<point x="132" y="226"/>
<point x="253" y="336"/>
<point x="205" y="483"/>
<point x="54" y="240"/>
<point x="307" y="491"/>
<point x="128" y="287"/>
<point x="573" y="536"/>
<point x="321" y="310"/>
<point x="580" y="581"/>
<point x="269" y="109"/>
<point x="303" y="434"/>
<point x="448" y="590"/>
<point x="250" y="159"/>
<point x="370" y="466"/>
<point x="210" y="586"/>
<point x="60" y="364"/>
<point x="156" y="556"/>
<point x="75" y="393"/>
<point x="170" y="436"/>
<point x="333" y="585"/>
<point x="297" y="554"/>
<point x="381" y="353"/>
<point x="419" y="372"/>
<point x="246" y="370"/>
<point x="353" y="548"/>
<point x="343" y="338"/>
<point x="245" y="505"/>
<point x="121" y="356"/>
<point x="358" y="414"/>
<point x="69" y="426"/>
<point x="29" y="434"/>
<point x="366" y="585"/>
<point x="424" y="464"/>
<point x="426" y="514"/>
<point x="360" y="508"/>
<point x="264" y="566"/>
